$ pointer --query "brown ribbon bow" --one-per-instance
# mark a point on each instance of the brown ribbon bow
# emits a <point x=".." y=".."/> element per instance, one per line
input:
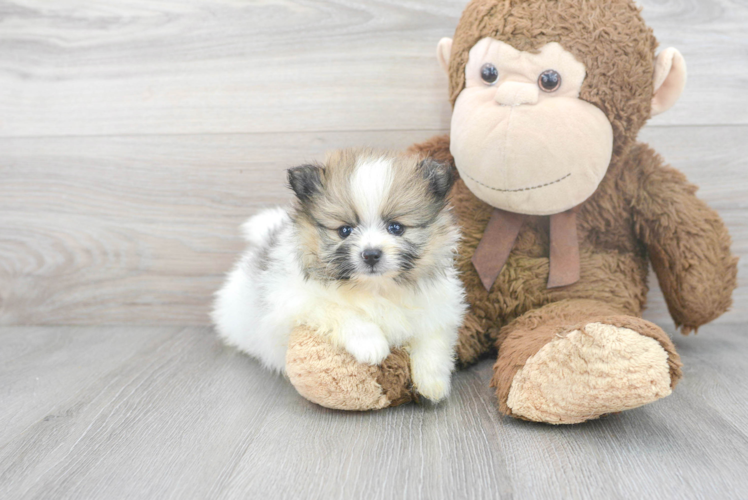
<point x="501" y="233"/>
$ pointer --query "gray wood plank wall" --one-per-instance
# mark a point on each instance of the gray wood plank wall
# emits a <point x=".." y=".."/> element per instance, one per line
<point x="135" y="136"/>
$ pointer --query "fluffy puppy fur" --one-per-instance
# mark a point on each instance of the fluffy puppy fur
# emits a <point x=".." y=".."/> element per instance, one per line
<point x="365" y="257"/>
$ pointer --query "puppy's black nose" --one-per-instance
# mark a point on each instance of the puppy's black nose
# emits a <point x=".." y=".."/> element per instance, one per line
<point x="371" y="255"/>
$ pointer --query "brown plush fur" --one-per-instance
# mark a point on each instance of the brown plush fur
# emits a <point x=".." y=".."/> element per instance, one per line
<point x="527" y="334"/>
<point x="642" y="208"/>
<point x="394" y="377"/>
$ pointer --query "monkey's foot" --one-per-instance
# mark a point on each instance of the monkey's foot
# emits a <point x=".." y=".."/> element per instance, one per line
<point x="591" y="371"/>
<point x="331" y="377"/>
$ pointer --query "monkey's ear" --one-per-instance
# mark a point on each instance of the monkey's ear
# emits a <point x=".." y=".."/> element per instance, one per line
<point x="306" y="181"/>
<point x="669" y="80"/>
<point x="439" y="176"/>
<point x="443" y="53"/>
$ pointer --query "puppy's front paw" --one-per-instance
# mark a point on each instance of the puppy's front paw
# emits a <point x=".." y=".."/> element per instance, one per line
<point x="432" y="385"/>
<point x="367" y="344"/>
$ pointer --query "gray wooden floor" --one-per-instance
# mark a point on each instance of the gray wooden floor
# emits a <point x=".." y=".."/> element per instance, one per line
<point x="167" y="412"/>
<point x="136" y="135"/>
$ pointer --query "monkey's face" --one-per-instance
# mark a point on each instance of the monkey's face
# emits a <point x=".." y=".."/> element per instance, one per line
<point x="521" y="137"/>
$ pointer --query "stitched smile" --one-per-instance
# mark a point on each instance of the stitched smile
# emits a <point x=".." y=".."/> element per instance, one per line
<point x="521" y="189"/>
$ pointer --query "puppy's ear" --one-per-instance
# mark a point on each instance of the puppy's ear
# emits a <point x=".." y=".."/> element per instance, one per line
<point x="306" y="181"/>
<point x="439" y="176"/>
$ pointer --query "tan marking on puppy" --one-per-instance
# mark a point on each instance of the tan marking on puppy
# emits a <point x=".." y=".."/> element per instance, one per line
<point x="367" y="190"/>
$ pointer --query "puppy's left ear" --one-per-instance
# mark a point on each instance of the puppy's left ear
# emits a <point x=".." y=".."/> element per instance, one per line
<point x="439" y="176"/>
<point x="306" y="181"/>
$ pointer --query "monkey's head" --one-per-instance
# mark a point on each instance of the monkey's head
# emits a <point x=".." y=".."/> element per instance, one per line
<point x="546" y="92"/>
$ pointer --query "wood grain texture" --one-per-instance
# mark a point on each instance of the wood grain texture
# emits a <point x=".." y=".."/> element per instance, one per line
<point x="184" y="417"/>
<point x="124" y="67"/>
<point x="72" y="360"/>
<point x="141" y="230"/>
<point x="137" y="229"/>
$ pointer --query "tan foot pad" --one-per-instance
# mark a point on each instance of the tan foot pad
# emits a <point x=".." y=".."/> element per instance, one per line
<point x="330" y="377"/>
<point x="588" y="373"/>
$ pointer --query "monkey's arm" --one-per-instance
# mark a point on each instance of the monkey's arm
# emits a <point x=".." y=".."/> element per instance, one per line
<point x="437" y="148"/>
<point x="688" y="243"/>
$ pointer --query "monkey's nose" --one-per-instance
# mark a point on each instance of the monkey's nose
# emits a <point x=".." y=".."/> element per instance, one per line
<point x="371" y="256"/>
<point x="516" y="93"/>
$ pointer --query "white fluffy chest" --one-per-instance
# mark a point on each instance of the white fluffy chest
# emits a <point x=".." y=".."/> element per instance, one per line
<point x="400" y="313"/>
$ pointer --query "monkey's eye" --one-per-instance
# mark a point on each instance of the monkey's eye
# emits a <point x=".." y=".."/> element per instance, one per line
<point x="549" y="81"/>
<point x="489" y="73"/>
<point x="345" y="231"/>
<point x="395" y="228"/>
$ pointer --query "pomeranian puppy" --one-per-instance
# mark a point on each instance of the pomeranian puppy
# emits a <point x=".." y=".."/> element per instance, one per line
<point x="365" y="257"/>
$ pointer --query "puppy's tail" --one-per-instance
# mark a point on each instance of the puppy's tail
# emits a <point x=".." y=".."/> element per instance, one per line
<point x="258" y="228"/>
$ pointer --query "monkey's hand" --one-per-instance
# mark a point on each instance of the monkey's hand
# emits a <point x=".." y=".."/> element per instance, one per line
<point x="688" y="243"/>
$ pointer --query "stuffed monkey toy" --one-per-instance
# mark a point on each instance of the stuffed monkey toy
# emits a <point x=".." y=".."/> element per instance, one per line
<point x="561" y="210"/>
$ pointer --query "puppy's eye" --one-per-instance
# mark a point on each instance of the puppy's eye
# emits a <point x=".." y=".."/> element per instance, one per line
<point x="395" y="228"/>
<point x="549" y="81"/>
<point x="345" y="231"/>
<point x="489" y="73"/>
